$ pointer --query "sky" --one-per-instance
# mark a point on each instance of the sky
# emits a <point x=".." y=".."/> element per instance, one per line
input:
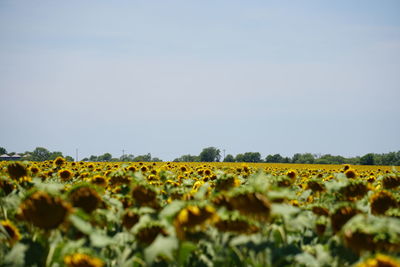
<point x="173" y="77"/>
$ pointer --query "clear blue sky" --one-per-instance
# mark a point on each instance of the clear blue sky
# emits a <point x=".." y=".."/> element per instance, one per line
<point x="173" y="77"/>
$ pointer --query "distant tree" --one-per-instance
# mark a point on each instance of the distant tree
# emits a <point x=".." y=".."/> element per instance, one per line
<point x="128" y="157"/>
<point x="367" y="159"/>
<point x="306" y="158"/>
<point x="156" y="159"/>
<point x="105" y="157"/>
<point x="55" y="154"/>
<point x="69" y="158"/>
<point x="187" y="158"/>
<point x="144" y="158"/>
<point x="93" y="158"/>
<point x="252" y="157"/>
<point x="239" y="158"/>
<point x="40" y="154"/>
<point x="229" y="158"/>
<point x="210" y="154"/>
<point x="85" y="159"/>
<point x="3" y="151"/>
<point x="277" y="158"/>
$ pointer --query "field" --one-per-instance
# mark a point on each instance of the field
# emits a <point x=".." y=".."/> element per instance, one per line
<point x="58" y="213"/>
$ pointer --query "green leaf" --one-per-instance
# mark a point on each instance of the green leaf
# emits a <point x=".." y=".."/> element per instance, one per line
<point x="16" y="256"/>
<point x="99" y="240"/>
<point x="164" y="246"/>
<point x="81" y="225"/>
<point x="171" y="210"/>
<point x="184" y="251"/>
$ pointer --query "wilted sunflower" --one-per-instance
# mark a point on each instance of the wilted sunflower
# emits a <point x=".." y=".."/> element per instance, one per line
<point x="82" y="260"/>
<point x="147" y="234"/>
<point x="341" y="216"/>
<point x="318" y="210"/>
<point x="6" y="186"/>
<point x="251" y="204"/>
<point x="65" y="174"/>
<point x="145" y="196"/>
<point x="13" y="234"/>
<point x="129" y="219"/>
<point x="236" y="226"/>
<point x="16" y="170"/>
<point x="86" y="198"/>
<point x="391" y="181"/>
<point x="315" y="186"/>
<point x="224" y="184"/>
<point x="44" y="211"/>
<point x="191" y="217"/>
<point x="379" y="260"/>
<point x="359" y="241"/>
<point x="354" y="190"/>
<point x="382" y="201"/>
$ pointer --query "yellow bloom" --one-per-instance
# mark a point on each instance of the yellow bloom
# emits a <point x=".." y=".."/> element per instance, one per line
<point x="379" y="261"/>
<point x="82" y="260"/>
<point x="13" y="234"/>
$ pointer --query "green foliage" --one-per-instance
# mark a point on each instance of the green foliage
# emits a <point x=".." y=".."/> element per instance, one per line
<point x="3" y="151"/>
<point x="229" y="158"/>
<point x="210" y="154"/>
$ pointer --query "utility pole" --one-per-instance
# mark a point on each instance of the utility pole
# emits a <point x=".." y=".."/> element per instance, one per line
<point x="224" y="153"/>
<point x="123" y="154"/>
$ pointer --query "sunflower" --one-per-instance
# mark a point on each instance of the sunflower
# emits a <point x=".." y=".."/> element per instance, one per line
<point x="16" y="170"/>
<point x="346" y="167"/>
<point x="191" y="217"/>
<point x="99" y="180"/>
<point x="6" y="186"/>
<point x="59" y="161"/>
<point x="341" y="216"/>
<point x="65" y="174"/>
<point x="227" y="183"/>
<point x="321" y="211"/>
<point x="320" y="228"/>
<point x="147" y="234"/>
<point x="132" y="168"/>
<point x="44" y="211"/>
<point x="379" y="260"/>
<point x="359" y="241"/>
<point x="129" y="219"/>
<point x="350" y="173"/>
<point x="236" y="226"/>
<point x="291" y="174"/>
<point x="86" y="198"/>
<point x="354" y="190"/>
<point x="382" y="201"/>
<point x="144" y="168"/>
<point x="82" y="260"/>
<point x="315" y="186"/>
<point x="144" y="196"/>
<point x="34" y="169"/>
<point x="13" y="234"/>
<point x="390" y="181"/>
<point x="251" y="204"/>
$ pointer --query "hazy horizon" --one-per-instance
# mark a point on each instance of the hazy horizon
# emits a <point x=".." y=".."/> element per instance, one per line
<point x="173" y="77"/>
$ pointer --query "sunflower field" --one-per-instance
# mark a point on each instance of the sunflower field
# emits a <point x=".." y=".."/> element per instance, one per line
<point x="59" y="213"/>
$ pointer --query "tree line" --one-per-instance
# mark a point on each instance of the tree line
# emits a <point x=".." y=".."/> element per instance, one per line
<point x="213" y="154"/>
